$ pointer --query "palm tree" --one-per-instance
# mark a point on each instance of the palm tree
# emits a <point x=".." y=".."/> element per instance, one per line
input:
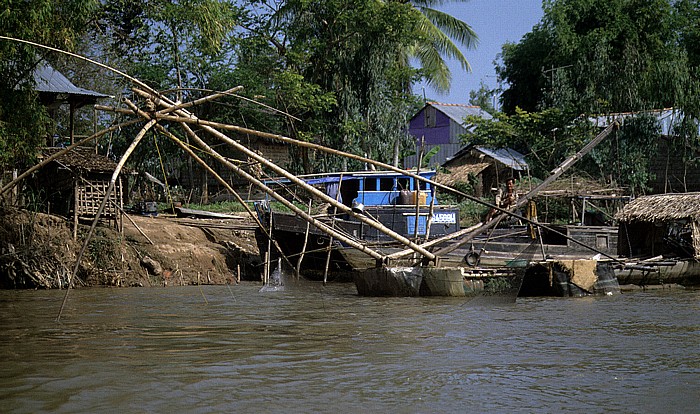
<point x="436" y="29"/>
<point x="434" y="39"/>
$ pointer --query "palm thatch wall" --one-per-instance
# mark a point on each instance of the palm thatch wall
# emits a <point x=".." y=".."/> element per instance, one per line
<point x="661" y="224"/>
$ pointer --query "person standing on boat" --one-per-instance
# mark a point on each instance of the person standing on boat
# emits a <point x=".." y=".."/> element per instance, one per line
<point x="504" y="200"/>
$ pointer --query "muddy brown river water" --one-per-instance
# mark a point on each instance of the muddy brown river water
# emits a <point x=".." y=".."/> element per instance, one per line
<point x="314" y="349"/>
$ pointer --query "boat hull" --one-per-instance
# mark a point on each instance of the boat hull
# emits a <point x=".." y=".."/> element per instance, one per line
<point x="501" y="284"/>
<point x="684" y="272"/>
<point x="506" y="246"/>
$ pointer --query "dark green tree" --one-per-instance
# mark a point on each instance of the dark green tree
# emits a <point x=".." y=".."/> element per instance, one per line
<point x="174" y="46"/>
<point x="483" y="97"/>
<point x="353" y="50"/>
<point x="597" y="56"/>
<point x="24" y="122"/>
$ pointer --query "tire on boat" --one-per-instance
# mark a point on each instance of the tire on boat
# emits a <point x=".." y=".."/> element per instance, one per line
<point x="472" y="259"/>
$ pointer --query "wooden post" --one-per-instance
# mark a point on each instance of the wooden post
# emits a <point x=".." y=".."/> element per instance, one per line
<point x="330" y="239"/>
<point x="121" y="207"/>
<point x="417" y="192"/>
<point x="431" y="210"/>
<point x="264" y="269"/>
<point x="15" y="191"/>
<point x="75" y="210"/>
<point x="303" y="248"/>
<point x="269" y="250"/>
<point x="71" y="121"/>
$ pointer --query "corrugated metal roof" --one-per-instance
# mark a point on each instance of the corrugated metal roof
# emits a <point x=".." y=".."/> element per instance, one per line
<point x="458" y="112"/>
<point x="507" y="156"/>
<point x="667" y="118"/>
<point x="50" y="80"/>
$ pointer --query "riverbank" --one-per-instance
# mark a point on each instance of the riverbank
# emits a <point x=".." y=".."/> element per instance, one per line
<point x="38" y="251"/>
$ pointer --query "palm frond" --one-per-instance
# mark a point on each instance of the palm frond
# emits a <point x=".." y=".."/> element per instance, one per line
<point x="451" y="26"/>
<point x="442" y="43"/>
<point x="437" y="73"/>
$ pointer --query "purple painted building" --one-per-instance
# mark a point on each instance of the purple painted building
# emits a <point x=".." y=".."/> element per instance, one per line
<point x="441" y="125"/>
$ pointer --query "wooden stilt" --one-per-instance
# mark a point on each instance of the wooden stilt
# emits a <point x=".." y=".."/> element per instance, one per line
<point x="303" y="248"/>
<point x="431" y="210"/>
<point x="330" y="240"/>
<point x="269" y="250"/>
<point x="75" y="210"/>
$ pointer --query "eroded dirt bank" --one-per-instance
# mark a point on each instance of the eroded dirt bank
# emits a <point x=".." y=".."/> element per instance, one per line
<point x="38" y="251"/>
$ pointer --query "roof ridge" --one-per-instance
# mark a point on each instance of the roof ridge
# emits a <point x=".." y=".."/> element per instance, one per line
<point x="452" y="104"/>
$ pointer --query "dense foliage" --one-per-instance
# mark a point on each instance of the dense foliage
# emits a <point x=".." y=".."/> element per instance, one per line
<point x="596" y="57"/>
<point x="329" y="71"/>
<point x="24" y="122"/>
<point x="337" y="73"/>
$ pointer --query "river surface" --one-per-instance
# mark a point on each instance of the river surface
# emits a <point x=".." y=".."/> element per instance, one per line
<point x="221" y="349"/>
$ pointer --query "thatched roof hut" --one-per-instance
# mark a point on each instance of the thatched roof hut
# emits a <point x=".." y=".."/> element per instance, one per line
<point x="74" y="184"/>
<point x="663" y="224"/>
<point x="489" y="167"/>
<point x="662" y="207"/>
<point x="460" y="174"/>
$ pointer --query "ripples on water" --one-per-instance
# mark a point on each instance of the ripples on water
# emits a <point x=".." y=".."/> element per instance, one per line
<point x="315" y="349"/>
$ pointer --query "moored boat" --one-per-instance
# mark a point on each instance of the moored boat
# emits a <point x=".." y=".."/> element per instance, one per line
<point x="660" y="240"/>
<point x="397" y="201"/>
<point x="497" y="284"/>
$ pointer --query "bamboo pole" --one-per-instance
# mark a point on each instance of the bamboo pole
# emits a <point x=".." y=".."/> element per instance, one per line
<point x="197" y="121"/>
<point x="199" y="101"/>
<point x="269" y="250"/>
<point x="136" y="226"/>
<point x="431" y="210"/>
<point x="243" y="98"/>
<point x="294" y="179"/>
<point x="75" y="211"/>
<point x="322" y="226"/>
